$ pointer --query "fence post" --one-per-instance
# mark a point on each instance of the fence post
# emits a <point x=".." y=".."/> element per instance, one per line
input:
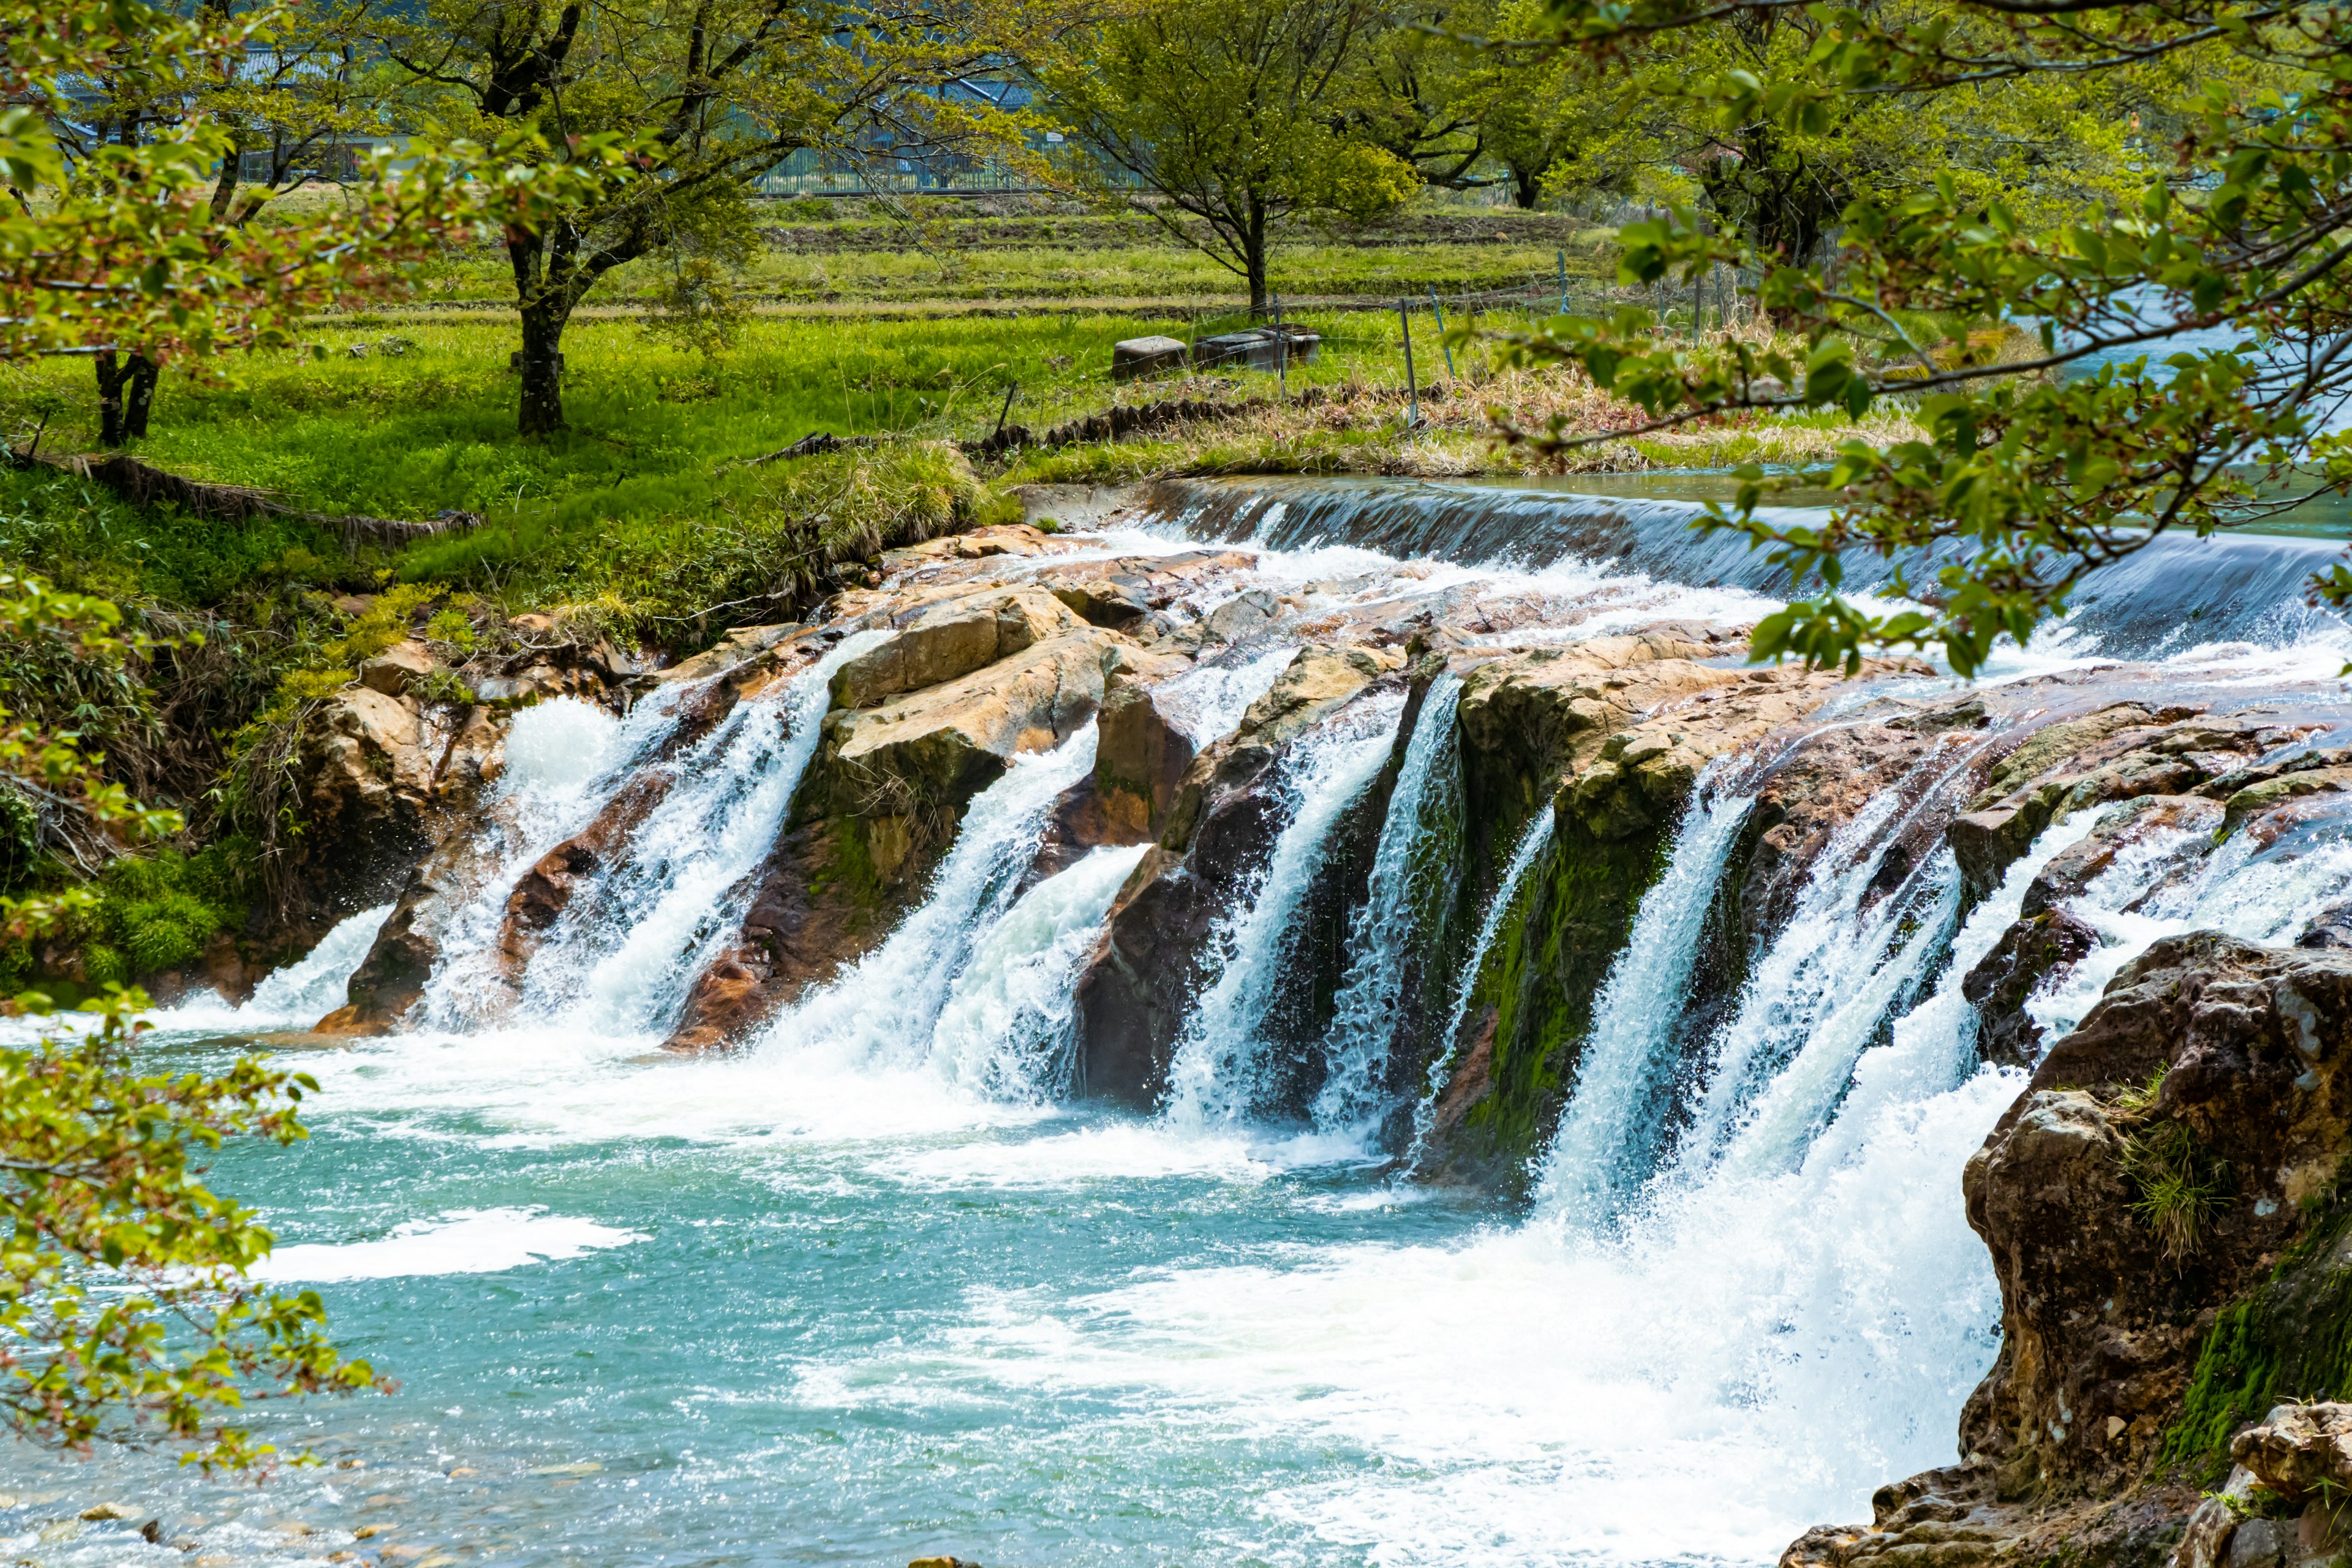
<point x="1281" y="354"/>
<point x="1438" y="315"/>
<point x="1411" y="393"/>
<point x="1562" y="257"/>
<point x="1698" y="286"/>
<point x="1000" y="413"/>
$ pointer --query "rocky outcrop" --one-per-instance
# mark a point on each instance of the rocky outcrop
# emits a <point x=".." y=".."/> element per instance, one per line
<point x="1219" y="827"/>
<point x="952" y="640"/>
<point x="2168" y="1217"/>
<point x="883" y="796"/>
<point x="383" y="779"/>
<point x="1610" y="736"/>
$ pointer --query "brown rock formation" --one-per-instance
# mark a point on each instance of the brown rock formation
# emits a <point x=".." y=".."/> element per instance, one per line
<point x="2166" y="1216"/>
<point x="1220" y="826"/>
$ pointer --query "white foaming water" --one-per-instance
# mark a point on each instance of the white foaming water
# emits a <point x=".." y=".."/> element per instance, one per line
<point x="1610" y="1127"/>
<point x="296" y="995"/>
<point x="1213" y="1077"/>
<point x="564" y="759"/>
<point x="624" y="954"/>
<point x="1819" y="991"/>
<point x="2169" y="883"/>
<point x="882" y="1009"/>
<point x="1004" y="1033"/>
<point x="1209" y="702"/>
<point x="1533" y="841"/>
<point x="560" y="745"/>
<point x="462" y="1241"/>
<point x="1381" y="935"/>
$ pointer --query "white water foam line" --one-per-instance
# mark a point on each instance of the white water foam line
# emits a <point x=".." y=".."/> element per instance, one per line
<point x="1004" y="1033"/>
<point x="1383" y="930"/>
<point x="624" y="956"/>
<point x="462" y="1241"/>
<point x="1533" y="841"/>
<point x="883" y="1009"/>
<point x="1214" y="1076"/>
<point x="1610" y="1128"/>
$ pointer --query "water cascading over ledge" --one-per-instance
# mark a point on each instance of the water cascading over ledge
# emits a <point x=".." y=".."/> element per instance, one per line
<point x="1711" y="961"/>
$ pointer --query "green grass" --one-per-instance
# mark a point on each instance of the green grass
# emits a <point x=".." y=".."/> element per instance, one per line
<point x="962" y="256"/>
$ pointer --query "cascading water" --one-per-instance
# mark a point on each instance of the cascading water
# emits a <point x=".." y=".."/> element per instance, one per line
<point x="1608" y="1134"/>
<point x="564" y="758"/>
<point x="292" y="997"/>
<point x="1004" y="1031"/>
<point x="626" y="950"/>
<point x="879" y="1265"/>
<point x="883" y="1009"/>
<point x="1380" y="937"/>
<point x="1821" y="990"/>
<point x="1215" y="1077"/>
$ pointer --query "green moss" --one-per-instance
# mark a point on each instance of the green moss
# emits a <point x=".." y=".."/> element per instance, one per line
<point x="103" y="965"/>
<point x="2289" y="1339"/>
<point x="849" y="865"/>
<point x="1550" y="960"/>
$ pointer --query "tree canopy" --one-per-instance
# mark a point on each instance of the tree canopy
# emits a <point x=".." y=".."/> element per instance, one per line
<point x="2199" y="266"/>
<point x="1237" y="113"/>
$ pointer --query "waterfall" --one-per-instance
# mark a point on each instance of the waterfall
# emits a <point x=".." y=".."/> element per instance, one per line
<point x="294" y="996"/>
<point x="2175" y="592"/>
<point x="1215" y="1074"/>
<point x="1610" y="1130"/>
<point x="1005" y="1032"/>
<point x="883" y="1009"/>
<point x="564" y="760"/>
<point x="1382" y="933"/>
<point x="1820" y="989"/>
<point x="1533" y="842"/>
<point x="2175" y="880"/>
<point x="625" y="951"/>
<point x="1208" y="701"/>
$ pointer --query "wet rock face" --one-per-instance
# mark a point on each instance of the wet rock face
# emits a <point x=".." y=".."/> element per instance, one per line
<point x="884" y="795"/>
<point x="1220" y="826"/>
<point x="2118" y="1219"/>
<point x="2165" y="1214"/>
<point x="385" y="779"/>
<point x="1609" y="737"/>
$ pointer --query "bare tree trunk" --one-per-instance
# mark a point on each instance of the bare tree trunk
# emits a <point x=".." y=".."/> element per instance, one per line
<point x="1253" y="257"/>
<point x="141" y="372"/>
<point x="111" y="375"/>
<point x="1526" y="187"/>
<point x="545" y="306"/>
<point x="542" y="377"/>
<point x="225" y="186"/>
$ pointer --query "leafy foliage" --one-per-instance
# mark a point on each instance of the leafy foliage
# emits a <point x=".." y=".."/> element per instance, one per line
<point x="126" y="1313"/>
<point x="1235" y="112"/>
<point x="2225" y="252"/>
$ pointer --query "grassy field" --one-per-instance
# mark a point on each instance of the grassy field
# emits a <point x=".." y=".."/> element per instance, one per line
<point x="944" y="252"/>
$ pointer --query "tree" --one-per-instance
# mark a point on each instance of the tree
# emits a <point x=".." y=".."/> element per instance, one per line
<point x="1233" y="113"/>
<point x="718" y="93"/>
<point x="2027" y="476"/>
<point x="109" y="248"/>
<point x="125" y="1308"/>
